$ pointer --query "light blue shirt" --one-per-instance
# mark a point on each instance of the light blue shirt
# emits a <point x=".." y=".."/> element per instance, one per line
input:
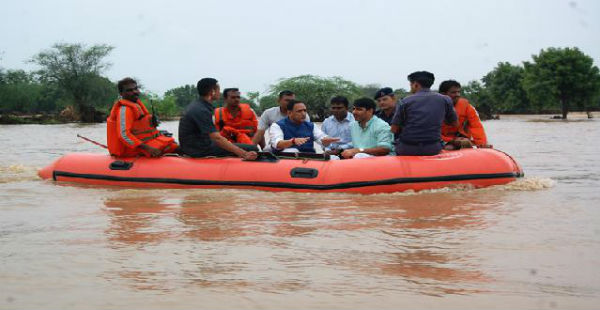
<point x="377" y="133"/>
<point x="334" y="128"/>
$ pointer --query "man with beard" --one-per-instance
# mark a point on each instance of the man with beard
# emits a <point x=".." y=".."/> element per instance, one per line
<point x="131" y="130"/>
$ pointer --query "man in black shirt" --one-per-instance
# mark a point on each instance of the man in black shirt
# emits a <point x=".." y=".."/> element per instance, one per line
<point x="198" y="136"/>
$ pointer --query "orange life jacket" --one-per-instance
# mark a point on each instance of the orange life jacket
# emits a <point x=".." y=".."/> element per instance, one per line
<point x="469" y="124"/>
<point x="235" y="136"/>
<point x="125" y="142"/>
<point x="239" y="128"/>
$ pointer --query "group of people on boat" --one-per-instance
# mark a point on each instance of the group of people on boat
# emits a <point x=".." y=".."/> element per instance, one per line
<point x="420" y="124"/>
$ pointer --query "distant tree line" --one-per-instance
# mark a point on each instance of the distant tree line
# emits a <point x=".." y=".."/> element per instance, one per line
<point x="69" y="86"/>
<point x="69" y="82"/>
<point x="558" y="80"/>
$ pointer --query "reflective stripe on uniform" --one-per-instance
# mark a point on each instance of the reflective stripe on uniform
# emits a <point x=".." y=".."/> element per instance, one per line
<point x="139" y="132"/>
<point x="123" y="127"/>
<point x="151" y="137"/>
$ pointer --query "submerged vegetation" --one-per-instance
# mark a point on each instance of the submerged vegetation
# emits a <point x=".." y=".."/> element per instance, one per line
<point x="69" y="86"/>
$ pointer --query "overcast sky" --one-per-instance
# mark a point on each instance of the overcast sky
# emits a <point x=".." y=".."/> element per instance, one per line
<point x="252" y="44"/>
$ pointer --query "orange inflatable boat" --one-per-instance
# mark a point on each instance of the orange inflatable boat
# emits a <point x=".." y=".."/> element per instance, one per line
<point x="386" y="174"/>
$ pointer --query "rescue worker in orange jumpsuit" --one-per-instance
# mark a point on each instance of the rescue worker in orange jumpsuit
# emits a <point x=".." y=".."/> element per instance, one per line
<point x="236" y="121"/>
<point x="469" y="131"/>
<point x="130" y="129"/>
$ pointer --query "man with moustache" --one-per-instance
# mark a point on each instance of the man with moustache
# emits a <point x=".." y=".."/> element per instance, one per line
<point x="338" y="125"/>
<point x="131" y="130"/>
<point x="371" y="136"/>
<point x="273" y="115"/>
<point x="236" y="121"/>
<point x="295" y="133"/>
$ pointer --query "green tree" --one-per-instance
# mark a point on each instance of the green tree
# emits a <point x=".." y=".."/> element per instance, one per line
<point x="183" y="95"/>
<point x="316" y="91"/>
<point x="562" y="77"/>
<point x="480" y="98"/>
<point x="401" y="92"/>
<point x="19" y="92"/>
<point x="266" y="102"/>
<point x="168" y="108"/>
<point x="369" y="90"/>
<point x="254" y="99"/>
<point x="504" y="85"/>
<point x="76" y="70"/>
<point x="165" y="107"/>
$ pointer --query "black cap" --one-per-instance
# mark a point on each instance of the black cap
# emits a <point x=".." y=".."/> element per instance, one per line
<point x="386" y="91"/>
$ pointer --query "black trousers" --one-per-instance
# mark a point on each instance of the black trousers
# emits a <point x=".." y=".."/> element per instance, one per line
<point x="216" y="151"/>
<point x="404" y="149"/>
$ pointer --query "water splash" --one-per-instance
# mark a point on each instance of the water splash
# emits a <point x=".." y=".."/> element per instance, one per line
<point x="527" y="184"/>
<point x="522" y="184"/>
<point x="18" y="173"/>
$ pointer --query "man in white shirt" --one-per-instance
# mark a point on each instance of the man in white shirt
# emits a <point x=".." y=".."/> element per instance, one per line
<point x="272" y="115"/>
<point x="296" y="134"/>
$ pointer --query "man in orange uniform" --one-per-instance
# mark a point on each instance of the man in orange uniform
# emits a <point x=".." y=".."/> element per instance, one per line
<point x="236" y="121"/>
<point x="469" y="131"/>
<point x="130" y="129"/>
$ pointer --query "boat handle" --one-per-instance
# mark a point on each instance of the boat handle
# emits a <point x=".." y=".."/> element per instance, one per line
<point x="120" y="165"/>
<point x="307" y="173"/>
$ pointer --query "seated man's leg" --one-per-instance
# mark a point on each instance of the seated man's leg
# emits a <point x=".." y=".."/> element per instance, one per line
<point x="171" y="148"/>
<point x="212" y="151"/>
<point x="430" y="149"/>
<point x="216" y="151"/>
<point x="247" y="147"/>
<point x="206" y="151"/>
<point x="449" y="146"/>
<point x="267" y="149"/>
<point x="163" y="143"/>
<point x="362" y="155"/>
<point x="403" y="149"/>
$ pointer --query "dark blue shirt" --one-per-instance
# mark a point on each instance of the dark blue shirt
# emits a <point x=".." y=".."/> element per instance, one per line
<point x="421" y="115"/>
<point x="388" y="119"/>
<point x="195" y="126"/>
<point x="291" y="130"/>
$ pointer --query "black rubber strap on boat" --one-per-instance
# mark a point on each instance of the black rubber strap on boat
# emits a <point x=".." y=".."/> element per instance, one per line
<point x="346" y="185"/>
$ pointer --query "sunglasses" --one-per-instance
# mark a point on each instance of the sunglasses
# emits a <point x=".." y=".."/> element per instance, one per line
<point x="131" y="89"/>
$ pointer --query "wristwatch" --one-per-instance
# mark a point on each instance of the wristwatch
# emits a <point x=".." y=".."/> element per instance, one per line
<point x="361" y="150"/>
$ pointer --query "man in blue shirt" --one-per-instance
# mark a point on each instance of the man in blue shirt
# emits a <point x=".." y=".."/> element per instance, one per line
<point x="420" y="116"/>
<point x="338" y="125"/>
<point x="371" y="136"/>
